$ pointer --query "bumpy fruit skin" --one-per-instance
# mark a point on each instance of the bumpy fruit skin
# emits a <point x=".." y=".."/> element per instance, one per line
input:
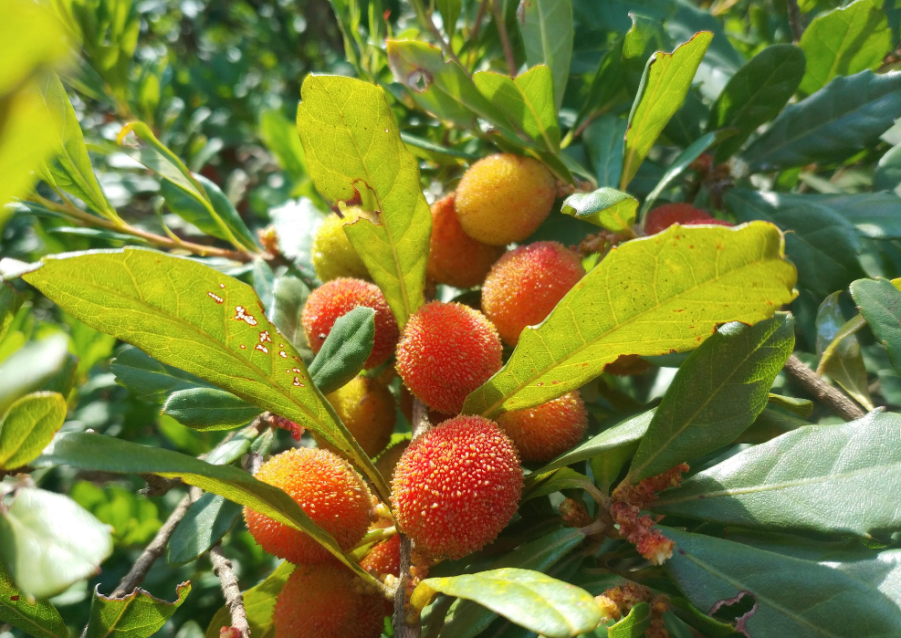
<point x="447" y="351"/>
<point x="455" y="258"/>
<point x="384" y="558"/>
<point x="326" y="601"/>
<point x="457" y="486"/>
<point x="544" y="432"/>
<point x="328" y="489"/>
<point x="338" y="297"/>
<point x="504" y="198"/>
<point x="665" y="216"/>
<point x="367" y="408"/>
<point x="525" y="285"/>
<point x="333" y="254"/>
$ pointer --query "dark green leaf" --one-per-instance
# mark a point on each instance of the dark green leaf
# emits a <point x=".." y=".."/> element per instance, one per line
<point x="604" y="139"/>
<point x="148" y="378"/>
<point x="716" y="395"/>
<point x="527" y="101"/>
<point x="48" y="542"/>
<point x="845" y="364"/>
<point x="135" y="615"/>
<point x="845" y="116"/>
<point x="30" y="367"/>
<point x="547" y="35"/>
<point x="259" y="603"/>
<point x="812" y="478"/>
<point x="796" y="598"/>
<point x="207" y="409"/>
<point x="345" y="350"/>
<point x="264" y="284"/>
<point x="204" y="524"/>
<point x="530" y="599"/>
<point x="756" y="94"/>
<point x="844" y="41"/>
<point x="682" y="161"/>
<point x="289" y="296"/>
<point x="28" y="426"/>
<point x="888" y="171"/>
<point x="880" y="304"/>
<point x="39" y="619"/>
<point x="606" y="207"/>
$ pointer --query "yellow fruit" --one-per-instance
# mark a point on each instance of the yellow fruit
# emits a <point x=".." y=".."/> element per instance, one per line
<point x="504" y="198"/>
<point x="455" y="258"/>
<point x="367" y="408"/>
<point x="333" y="255"/>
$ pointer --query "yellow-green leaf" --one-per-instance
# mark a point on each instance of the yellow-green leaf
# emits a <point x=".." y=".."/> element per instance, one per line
<point x="650" y="296"/>
<point x="28" y="426"/>
<point x="527" y="101"/>
<point x="354" y="152"/>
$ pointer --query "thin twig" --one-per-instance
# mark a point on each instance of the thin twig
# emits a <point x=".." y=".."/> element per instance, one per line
<point x="505" y="39"/>
<point x="833" y="398"/>
<point x="795" y="20"/>
<point x="234" y="599"/>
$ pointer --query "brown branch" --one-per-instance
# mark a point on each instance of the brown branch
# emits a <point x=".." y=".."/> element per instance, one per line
<point x="505" y="39"/>
<point x="795" y="21"/>
<point x="234" y="599"/>
<point x="831" y="397"/>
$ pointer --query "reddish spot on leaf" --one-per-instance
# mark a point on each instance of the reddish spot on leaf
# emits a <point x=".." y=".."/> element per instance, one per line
<point x="14" y="598"/>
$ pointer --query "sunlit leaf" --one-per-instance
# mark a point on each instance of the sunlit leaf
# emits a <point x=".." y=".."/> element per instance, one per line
<point x="135" y="614"/>
<point x="28" y="426"/>
<point x="608" y="208"/>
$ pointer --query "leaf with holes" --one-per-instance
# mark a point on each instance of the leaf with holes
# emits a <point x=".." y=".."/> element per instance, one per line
<point x="135" y="614"/>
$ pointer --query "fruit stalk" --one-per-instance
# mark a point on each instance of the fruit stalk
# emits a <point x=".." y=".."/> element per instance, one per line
<point x="234" y="599"/>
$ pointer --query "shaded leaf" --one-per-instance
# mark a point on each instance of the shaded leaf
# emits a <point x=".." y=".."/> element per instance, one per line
<point x="207" y="409"/>
<point x="289" y="296"/>
<point x="604" y="140"/>
<point x="682" y="161"/>
<point x="880" y="304"/>
<point x="608" y="208"/>
<point x="135" y="615"/>
<point x="148" y="378"/>
<point x="30" y="367"/>
<point x="673" y="289"/>
<point x="28" y="426"/>
<point x="527" y="101"/>
<point x="450" y="13"/>
<point x="634" y="625"/>
<point x="888" y="171"/>
<point x="547" y="36"/>
<point x="39" y="619"/>
<point x="345" y="350"/>
<point x="204" y="525"/>
<point x="845" y="363"/>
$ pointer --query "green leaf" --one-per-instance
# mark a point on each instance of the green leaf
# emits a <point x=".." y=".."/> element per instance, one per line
<point x="845" y="364"/>
<point x="94" y="452"/>
<point x="10" y="302"/>
<point x="547" y="36"/>
<point x="30" y="367"/>
<point x="289" y="296"/>
<point x="527" y="101"/>
<point x="48" y="542"/>
<point x="158" y="158"/>
<point x="345" y="350"/>
<point x="204" y="525"/>
<point x="541" y="554"/>
<point x="880" y="304"/>
<point x="201" y="321"/>
<point x="845" y="116"/>
<point x="135" y="615"/>
<point x="641" y="41"/>
<point x="672" y="290"/>
<point x="259" y="603"/>
<point x="666" y="80"/>
<point x="604" y="140"/>
<point x="888" y="171"/>
<point x="801" y="407"/>
<point x="72" y="170"/>
<point x="149" y="379"/>
<point x="716" y="394"/>
<point x="39" y="619"/>
<point x="450" y="13"/>
<point x="844" y="41"/>
<point x="634" y="625"/>
<point x="214" y="214"/>
<point x="207" y="409"/>
<point x="29" y="135"/>
<point x="822" y="601"/>
<point x="354" y="151"/>
<point x="530" y="599"/>
<point x="811" y="478"/>
<point x="756" y="94"/>
<point x="34" y="40"/>
<point x="28" y="426"/>
<point x="682" y="161"/>
<point x="608" y="208"/>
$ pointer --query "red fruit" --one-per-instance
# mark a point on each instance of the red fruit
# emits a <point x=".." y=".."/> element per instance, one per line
<point x="384" y="558"/>
<point x="326" y="601"/>
<point x="665" y="216"/>
<point x="447" y="351"/>
<point x="327" y="488"/>
<point x="338" y="297"/>
<point x="525" y="285"/>
<point x="456" y="487"/>
<point x="548" y="430"/>
<point x="455" y="258"/>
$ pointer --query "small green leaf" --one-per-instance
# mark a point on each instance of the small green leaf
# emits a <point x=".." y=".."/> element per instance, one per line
<point x="798" y="598"/>
<point x="208" y="409"/>
<point x="634" y="625"/>
<point x="811" y="478"/>
<point x="204" y="525"/>
<point x="756" y="94"/>
<point x="28" y="426"/>
<point x="39" y="619"/>
<point x="149" y="379"/>
<point x="801" y="407"/>
<point x="10" y="302"/>
<point x="666" y="80"/>
<point x="716" y="394"/>
<point x="530" y="599"/>
<point x="94" y="452"/>
<point x="845" y="363"/>
<point x="850" y="327"/>
<point x="527" y="101"/>
<point x="547" y="35"/>
<point x="450" y="12"/>
<point x="48" y="542"/>
<point x="682" y="161"/>
<point x="608" y="208"/>
<point x="847" y="115"/>
<point x="673" y="289"/>
<point x="880" y="304"/>
<point x="354" y="151"/>
<point x="604" y="140"/>
<point x="232" y="449"/>
<point x="135" y="615"/>
<point x="259" y="603"/>
<point x="30" y="367"/>
<point x="345" y="350"/>
<point x="200" y="321"/>
<point x="844" y="41"/>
